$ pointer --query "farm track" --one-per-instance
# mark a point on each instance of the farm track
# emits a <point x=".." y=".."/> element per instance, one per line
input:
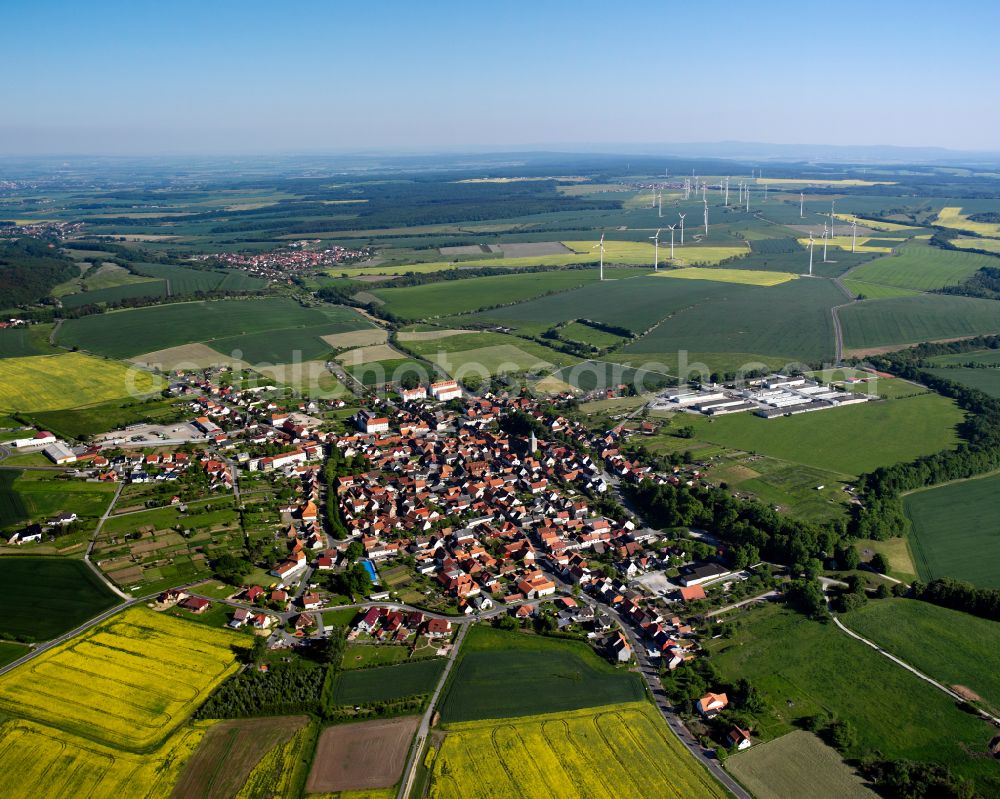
<point x="903" y="664"/>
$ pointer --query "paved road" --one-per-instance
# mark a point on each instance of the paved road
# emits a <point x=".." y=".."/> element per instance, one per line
<point x="425" y="723"/>
<point x="903" y="664"/>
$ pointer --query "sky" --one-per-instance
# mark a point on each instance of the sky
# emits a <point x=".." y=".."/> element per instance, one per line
<point x="223" y="77"/>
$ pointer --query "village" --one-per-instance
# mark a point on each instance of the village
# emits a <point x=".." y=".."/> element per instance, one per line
<point x="298" y="257"/>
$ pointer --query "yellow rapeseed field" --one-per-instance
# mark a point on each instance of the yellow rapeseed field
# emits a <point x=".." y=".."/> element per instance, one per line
<point x="990" y="245"/>
<point x="887" y="227"/>
<point x="953" y="217"/>
<point x="746" y="276"/>
<point x="40" y="761"/>
<point x="53" y="382"/>
<point x="628" y="253"/>
<point x="844" y="243"/>
<point x="129" y="682"/>
<point x="598" y="753"/>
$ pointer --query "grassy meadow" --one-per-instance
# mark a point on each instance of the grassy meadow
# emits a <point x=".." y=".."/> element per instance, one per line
<point x="953" y="647"/>
<point x="803" y="668"/>
<point x="921" y="267"/>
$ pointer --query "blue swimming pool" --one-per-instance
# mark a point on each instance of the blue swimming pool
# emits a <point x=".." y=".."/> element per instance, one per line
<point x="370" y="568"/>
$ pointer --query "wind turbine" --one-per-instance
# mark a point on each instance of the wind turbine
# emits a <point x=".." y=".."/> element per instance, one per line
<point x="656" y="249"/>
<point x="706" y="217"/>
<point x="601" y="245"/>
<point x="682" y="227"/>
<point x="671" y="229"/>
<point x="660" y="201"/>
<point x="802" y="205"/>
<point x="704" y="191"/>
<point x="825" y="241"/>
<point x="748" y="198"/>
<point x="765" y="192"/>
<point x="854" y="234"/>
<point x="727" y="192"/>
<point x="810" y="253"/>
<point x="833" y="203"/>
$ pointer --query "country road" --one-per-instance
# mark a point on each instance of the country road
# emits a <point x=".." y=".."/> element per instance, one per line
<point x="425" y="723"/>
<point x="93" y="540"/>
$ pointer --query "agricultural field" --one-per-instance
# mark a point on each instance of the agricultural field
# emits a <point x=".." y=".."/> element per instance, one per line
<point x="978" y="357"/>
<point x="790" y="321"/>
<point x="503" y="674"/>
<point x="892" y="431"/>
<point x="46" y="597"/>
<point x="461" y="296"/>
<point x="10" y="652"/>
<point x="277" y="346"/>
<point x="797" y="764"/>
<point x="952" y="217"/>
<point x="70" y="380"/>
<point x="94" y="419"/>
<point x="748" y="277"/>
<point x="41" y="761"/>
<point x="635" y="304"/>
<point x="864" y="244"/>
<point x="44" y="494"/>
<point x="362" y="756"/>
<point x="902" y="321"/>
<point x="921" y="267"/>
<point x="144" y="671"/>
<point x="12" y="510"/>
<point x="395" y="371"/>
<point x="182" y="280"/>
<point x="599" y="375"/>
<point x="16" y="342"/>
<point x="803" y="668"/>
<point x="229" y="753"/>
<point x="113" y="294"/>
<point x="954" y="531"/>
<point x="871" y="224"/>
<point x="953" y="647"/>
<point x="985" y="380"/>
<point x="584" y="334"/>
<point x="125" y="334"/>
<point x="875" y="291"/>
<point x="601" y="753"/>
<point x="968" y="243"/>
<point x="511" y="355"/>
<point x="383" y="683"/>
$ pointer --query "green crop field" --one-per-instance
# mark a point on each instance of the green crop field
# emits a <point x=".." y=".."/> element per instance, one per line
<point x="797" y="764"/>
<point x="803" y="668"/>
<point x="875" y="291"/>
<point x="984" y="357"/>
<point x="10" y="652"/>
<point x="635" y="304"/>
<point x="953" y="647"/>
<point x="986" y="380"/>
<point x="182" y="280"/>
<point x="93" y="419"/>
<point x="488" y="354"/>
<point x="383" y="683"/>
<point x="461" y="296"/>
<point x="123" y="334"/>
<point x="12" y="509"/>
<point x="392" y="371"/>
<point x="849" y="440"/>
<point x="45" y="597"/>
<point x="505" y="674"/>
<point x="599" y="375"/>
<point x="956" y="531"/>
<point x="922" y="267"/>
<point x="584" y="334"/>
<point x="790" y="321"/>
<point x="18" y="341"/>
<point x="910" y="320"/>
<point x="112" y="294"/>
<point x="280" y="346"/>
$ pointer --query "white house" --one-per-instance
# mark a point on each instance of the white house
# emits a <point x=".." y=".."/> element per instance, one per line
<point x="445" y="390"/>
